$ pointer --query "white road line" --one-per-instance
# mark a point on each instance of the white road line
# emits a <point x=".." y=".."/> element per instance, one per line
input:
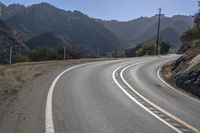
<point x="49" y="125"/>
<point x="133" y="99"/>
<point x="154" y="105"/>
<point x="161" y="79"/>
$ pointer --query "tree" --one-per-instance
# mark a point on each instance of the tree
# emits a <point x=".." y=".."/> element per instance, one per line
<point x="164" y="47"/>
<point x="148" y="48"/>
<point x="191" y="36"/>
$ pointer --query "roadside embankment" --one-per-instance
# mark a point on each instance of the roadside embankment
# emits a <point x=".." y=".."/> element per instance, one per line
<point x="185" y="72"/>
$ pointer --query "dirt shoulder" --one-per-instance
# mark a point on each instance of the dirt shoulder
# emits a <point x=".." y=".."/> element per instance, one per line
<point x="24" y="88"/>
<point x="13" y="77"/>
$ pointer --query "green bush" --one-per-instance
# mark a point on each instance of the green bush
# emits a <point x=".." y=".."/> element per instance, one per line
<point x="20" y="58"/>
<point x="164" y="47"/>
<point x="48" y="53"/>
<point x="43" y="53"/>
<point x="148" y="48"/>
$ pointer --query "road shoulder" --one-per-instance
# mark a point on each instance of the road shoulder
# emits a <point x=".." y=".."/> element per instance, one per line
<point x="24" y="110"/>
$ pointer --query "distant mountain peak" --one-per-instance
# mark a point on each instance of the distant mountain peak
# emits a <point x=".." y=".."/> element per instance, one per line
<point x="2" y="6"/>
<point x="16" y="4"/>
<point x="12" y="5"/>
<point x="1" y="3"/>
<point x="46" y="4"/>
<point x="43" y="4"/>
<point x="79" y="13"/>
<point x="179" y="16"/>
<point x="9" y="11"/>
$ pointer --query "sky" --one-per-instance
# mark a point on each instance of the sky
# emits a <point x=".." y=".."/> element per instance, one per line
<point x="122" y="10"/>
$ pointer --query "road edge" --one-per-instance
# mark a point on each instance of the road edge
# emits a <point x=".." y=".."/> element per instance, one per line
<point x="163" y="80"/>
<point x="49" y="124"/>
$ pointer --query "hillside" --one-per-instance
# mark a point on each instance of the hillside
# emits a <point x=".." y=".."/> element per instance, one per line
<point x="7" y="39"/>
<point x="92" y="36"/>
<point x="9" y="11"/>
<point x="73" y="27"/>
<point x="185" y="71"/>
<point x="144" y="28"/>
<point x="45" y="39"/>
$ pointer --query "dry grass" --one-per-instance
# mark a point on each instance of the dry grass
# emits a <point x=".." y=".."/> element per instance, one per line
<point x="13" y="77"/>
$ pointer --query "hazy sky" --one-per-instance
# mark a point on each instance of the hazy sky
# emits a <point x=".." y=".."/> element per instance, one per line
<point x="120" y="9"/>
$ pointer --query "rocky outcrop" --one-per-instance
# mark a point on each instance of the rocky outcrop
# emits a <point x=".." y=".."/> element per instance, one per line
<point x="185" y="71"/>
<point x="190" y="82"/>
<point x="9" y="11"/>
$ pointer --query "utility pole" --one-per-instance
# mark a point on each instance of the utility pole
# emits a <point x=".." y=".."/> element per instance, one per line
<point x="11" y="48"/>
<point x="158" y="32"/>
<point x="10" y="56"/>
<point x="64" y="53"/>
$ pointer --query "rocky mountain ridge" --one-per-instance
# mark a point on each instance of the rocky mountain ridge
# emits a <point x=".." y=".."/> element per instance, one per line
<point x="92" y="36"/>
<point x="145" y="28"/>
<point x="9" y="11"/>
<point x="74" y="27"/>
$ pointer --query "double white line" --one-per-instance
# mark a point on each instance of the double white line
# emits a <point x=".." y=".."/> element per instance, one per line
<point x="149" y="102"/>
<point x="49" y="125"/>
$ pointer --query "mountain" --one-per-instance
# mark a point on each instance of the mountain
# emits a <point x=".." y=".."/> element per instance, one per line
<point x="92" y="37"/>
<point x="145" y="28"/>
<point x="45" y="39"/>
<point x="9" y="11"/>
<point x="8" y="39"/>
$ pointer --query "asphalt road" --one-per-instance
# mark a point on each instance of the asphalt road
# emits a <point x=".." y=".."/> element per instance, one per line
<point x="93" y="99"/>
<point x="119" y="96"/>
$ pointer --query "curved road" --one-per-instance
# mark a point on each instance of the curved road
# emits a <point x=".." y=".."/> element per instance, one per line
<point x="120" y="96"/>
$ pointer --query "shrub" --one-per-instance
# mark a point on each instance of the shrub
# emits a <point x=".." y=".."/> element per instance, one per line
<point x="148" y="48"/>
<point x="20" y="58"/>
<point x="43" y="53"/>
